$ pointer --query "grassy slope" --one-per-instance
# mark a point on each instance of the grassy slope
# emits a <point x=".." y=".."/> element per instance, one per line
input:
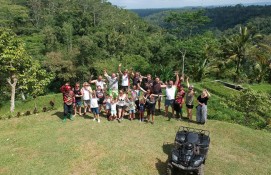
<point x="42" y="144"/>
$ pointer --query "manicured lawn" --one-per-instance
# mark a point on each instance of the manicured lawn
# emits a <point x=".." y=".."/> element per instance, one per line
<point x="42" y="144"/>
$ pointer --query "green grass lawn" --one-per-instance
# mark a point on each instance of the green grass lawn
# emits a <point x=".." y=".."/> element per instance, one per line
<point x="266" y="88"/>
<point x="42" y="144"/>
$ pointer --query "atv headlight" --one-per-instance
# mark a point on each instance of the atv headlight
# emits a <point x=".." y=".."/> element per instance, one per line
<point x="174" y="158"/>
<point x="198" y="161"/>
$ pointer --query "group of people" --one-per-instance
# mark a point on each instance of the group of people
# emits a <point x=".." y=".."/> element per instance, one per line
<point x="135" y="95"/>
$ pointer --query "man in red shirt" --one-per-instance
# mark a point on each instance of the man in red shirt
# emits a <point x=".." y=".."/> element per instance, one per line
<point x="68" y="100"/>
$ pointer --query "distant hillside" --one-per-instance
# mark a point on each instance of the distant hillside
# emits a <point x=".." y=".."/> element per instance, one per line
<point x="146" y="12"/>
<point x="222" y="18"/>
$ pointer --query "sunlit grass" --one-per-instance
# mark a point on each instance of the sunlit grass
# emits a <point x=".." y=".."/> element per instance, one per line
<point x="42" y="144"/>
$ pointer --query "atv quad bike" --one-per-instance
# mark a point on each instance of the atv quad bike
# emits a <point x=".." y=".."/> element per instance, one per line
<point x="189" y="152"/>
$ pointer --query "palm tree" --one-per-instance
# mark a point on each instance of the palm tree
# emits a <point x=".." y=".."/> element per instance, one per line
<point x="261" y="54"/>
<point x="237" y="48"/>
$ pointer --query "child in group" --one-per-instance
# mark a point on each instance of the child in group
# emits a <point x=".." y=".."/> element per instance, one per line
<point x="131" y="107"/>
<point x="95" y="107"/>
<point x="135" y="93"/>
<point x="114" y="108"/>
<point x="151" y="102"/>
<point x="141" y="109"/>
<point x="107" y="102"/>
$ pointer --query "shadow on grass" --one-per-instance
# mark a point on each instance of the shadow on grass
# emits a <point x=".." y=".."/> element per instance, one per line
<point x="59" y="115"/>
<point x="160" y="165"/>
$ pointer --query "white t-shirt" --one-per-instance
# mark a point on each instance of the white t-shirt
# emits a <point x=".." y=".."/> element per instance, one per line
<point x="170" y="92"/>
<point x="113" y="106"/>
<point x="86" y="94"/>
<point x="100" y="83"/>
<point x="94" y="102"/>
<point x="135" y="94"/>
<point x="125" y="80"/>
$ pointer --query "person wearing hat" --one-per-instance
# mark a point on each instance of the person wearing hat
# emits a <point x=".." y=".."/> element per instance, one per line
<point x="189" y="99"/>
<point x="69" y="101"/>
<point x="86" y="92"/>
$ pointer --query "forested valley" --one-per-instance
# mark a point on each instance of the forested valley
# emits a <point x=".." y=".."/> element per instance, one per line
<point x="45" y="43"/>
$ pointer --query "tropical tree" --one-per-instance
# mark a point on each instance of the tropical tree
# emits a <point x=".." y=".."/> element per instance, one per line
<point x="35" y="80"/>
<point x="237" y="48"/>
<point x="14" y="60"/>
<point x="184" y="24"/>
<point x="260" y="58"/>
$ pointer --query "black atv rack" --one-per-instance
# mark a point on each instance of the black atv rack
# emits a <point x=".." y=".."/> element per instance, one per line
<point x="200" y="131"/>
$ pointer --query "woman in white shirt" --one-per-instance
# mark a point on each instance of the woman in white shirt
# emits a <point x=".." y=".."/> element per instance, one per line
<point x="121" y="104"/>
<point x="124" y="79"/>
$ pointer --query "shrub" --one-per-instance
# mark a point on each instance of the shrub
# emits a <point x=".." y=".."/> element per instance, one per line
<point x="254" y="106"/>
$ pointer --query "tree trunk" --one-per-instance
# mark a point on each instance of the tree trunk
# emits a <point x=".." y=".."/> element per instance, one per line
<point x="13" y="88"/>
<point x="23" y="96"/>
<point x="183" y="57"/>
<point x="237" y="72"/>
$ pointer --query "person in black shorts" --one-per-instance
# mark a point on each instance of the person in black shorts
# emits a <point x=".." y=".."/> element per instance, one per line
<point x="150" y="105"/>
<point x="157" y="90"/>
<point x="78" y="99"/>
<point x="100" y="96"/>
<point x="189" y="99"/>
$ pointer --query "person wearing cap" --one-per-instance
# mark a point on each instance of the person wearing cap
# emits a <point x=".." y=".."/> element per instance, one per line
<point x="69" y="101"/>
<point x="189" y="99"/>
<point x="202" y="106"/>
<point x="113" y="84"/>
<point x="86" y="92"/>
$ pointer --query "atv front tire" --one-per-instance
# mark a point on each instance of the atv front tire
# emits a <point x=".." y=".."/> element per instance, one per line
<point x="171" y="170"/>
<point x="201" y="170"/>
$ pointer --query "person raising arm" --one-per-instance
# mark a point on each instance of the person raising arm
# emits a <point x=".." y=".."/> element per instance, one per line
<point x="124" y="79"/>
<point x="113" y="84"/>
<point x="189" y="99"/>
<point x="202" y="107"/>
<point x="170" y="94"/>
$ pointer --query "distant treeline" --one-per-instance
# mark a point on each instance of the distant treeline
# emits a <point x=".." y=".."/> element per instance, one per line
<point x="222" y="18"/>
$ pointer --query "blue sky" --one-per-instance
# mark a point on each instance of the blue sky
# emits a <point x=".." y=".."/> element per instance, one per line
<point x="139" y="4"/>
